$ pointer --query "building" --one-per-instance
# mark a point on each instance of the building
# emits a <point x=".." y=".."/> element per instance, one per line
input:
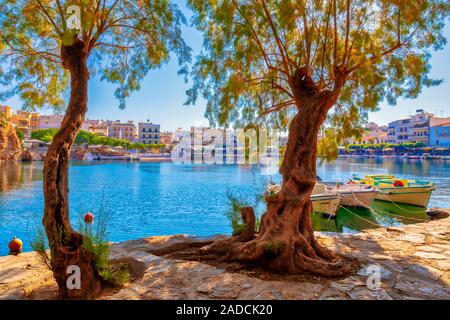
<point x="149" y="133"/>
<point x="370" y="137"/>
<point x="121" y="130"/>
<point x="25" y="121"/>
<point x="6" y="111"/>
<point x="414" y="129"/>
<point x="166" y="138"/>
<point x="99" y="127"/>
<point x="50" y="121"/>
<point x="440" y="135"/>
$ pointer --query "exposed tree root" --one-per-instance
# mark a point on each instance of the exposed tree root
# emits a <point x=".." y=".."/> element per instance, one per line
<point x="284" y="255"/>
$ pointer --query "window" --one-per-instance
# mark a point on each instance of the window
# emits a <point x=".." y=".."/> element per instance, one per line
<point x="156" y="129"/>
<point x="149" y="129"/>
<point x="143" y="129"/>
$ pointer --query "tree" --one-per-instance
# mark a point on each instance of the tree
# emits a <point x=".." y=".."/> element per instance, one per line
<point x="43" y="44"/>
<point x="294" y="63"/>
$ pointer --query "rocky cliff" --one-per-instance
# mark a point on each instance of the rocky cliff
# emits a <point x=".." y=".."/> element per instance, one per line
<point x="10" y="146"/>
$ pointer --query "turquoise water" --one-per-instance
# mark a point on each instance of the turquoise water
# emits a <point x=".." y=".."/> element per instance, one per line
<point x="147" y="199"/>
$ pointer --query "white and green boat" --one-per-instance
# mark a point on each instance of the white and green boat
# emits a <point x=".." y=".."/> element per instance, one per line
<point x="390" y="188"/>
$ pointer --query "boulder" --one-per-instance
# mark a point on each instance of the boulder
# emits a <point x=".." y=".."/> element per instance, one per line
<point x="10" y="146"/>
<point x="437" y="213"/>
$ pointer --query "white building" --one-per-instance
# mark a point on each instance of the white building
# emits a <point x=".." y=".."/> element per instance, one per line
<point x="50" y="122"/>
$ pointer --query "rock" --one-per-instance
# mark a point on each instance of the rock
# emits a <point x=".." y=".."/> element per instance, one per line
<point x="425" y="271"/>
<point x="347" y="284"/>
<point x="333" y="294"/>
<point x="363" y="293"/>
<point x="429" y="255"/>
<point x="224" y="287"/>
<point x="413" y="237"/>
<point x="10" y="145"/>
<point x="421" y="288"/>
<point x="443" y="264"/>
<point x="428" y="249"/>
<point x="437" y="213"/>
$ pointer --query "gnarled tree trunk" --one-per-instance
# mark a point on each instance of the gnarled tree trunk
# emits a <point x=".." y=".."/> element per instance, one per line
<point x="66" y="244"/>
<point x="286" y="239"/>
<point x="285" y="242"/>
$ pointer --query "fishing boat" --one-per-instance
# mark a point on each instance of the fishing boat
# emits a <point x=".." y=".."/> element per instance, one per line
<point x="390" y="188"/>
<point x="322" y="200"/>
<point x="353" y="195"/>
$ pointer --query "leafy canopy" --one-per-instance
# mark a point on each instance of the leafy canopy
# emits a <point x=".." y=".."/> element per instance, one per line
<point x="124" y="39"/>
<point x="362" y="50"/>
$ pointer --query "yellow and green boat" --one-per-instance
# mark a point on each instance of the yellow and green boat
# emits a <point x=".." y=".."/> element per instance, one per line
<point x="390" y="188"/>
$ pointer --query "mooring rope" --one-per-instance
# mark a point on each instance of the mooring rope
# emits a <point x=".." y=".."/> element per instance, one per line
<point x="371" y="222"/>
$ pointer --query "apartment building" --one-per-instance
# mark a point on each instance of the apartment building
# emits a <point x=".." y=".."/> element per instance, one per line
<point x="149" y="133"/>
<point x="99" y="127"/>
<point x="440" y="135"/>
<point x="414" y="129"/>
<point x="50" y="121"/>
<point x="122" y="130"/>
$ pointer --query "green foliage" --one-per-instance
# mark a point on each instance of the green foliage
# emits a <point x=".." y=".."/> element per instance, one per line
<point x="45" y="135"/>
<point x="363" y="54"/>
<point x="406" y="145"/>
<point x="234" y="213"/>
<point x="94" y="240"/>
<point x="85" y="137"/>
<point x="124" y="40"/>
<point x="20" y="134"/>
<point x="237" y="202"/>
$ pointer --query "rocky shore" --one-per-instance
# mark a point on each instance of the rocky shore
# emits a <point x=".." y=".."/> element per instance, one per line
<point x="413" y="263"/>
<point x="10" y="146"/>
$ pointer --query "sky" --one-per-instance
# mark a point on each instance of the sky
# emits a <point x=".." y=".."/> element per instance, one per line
<point x="162" y="94"/>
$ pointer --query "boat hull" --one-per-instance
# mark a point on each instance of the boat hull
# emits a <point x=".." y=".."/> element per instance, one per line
<point x="357" y="198"/>
<point x="416" y="196"/>
<point x="328" y="204"/>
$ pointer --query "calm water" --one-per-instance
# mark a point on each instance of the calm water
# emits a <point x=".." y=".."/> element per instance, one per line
<point x="162" y="198"/>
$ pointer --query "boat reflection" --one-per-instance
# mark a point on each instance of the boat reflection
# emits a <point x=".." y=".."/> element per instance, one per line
<point x="382" y="213"/>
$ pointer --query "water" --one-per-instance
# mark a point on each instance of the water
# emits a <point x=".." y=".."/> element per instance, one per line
<point x="147" y="199"/>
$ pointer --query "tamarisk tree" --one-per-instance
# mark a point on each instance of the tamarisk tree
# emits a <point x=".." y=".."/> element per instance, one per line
<point x="49" y="46"/>
<point x="292" y="63"/>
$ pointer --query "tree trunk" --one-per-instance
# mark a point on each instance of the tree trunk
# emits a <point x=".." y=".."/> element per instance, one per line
<point x="286" y="240"/>
<point x="66" y="244"/>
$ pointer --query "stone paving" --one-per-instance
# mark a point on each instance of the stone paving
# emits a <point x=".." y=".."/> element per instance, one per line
<point x="414" y="263"/>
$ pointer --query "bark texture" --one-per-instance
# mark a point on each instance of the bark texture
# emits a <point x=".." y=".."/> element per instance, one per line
<point x="66" y="244"/>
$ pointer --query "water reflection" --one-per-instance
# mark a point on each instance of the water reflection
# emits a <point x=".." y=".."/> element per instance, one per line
<point x="382" y="213"/>
<point x="16" y="175"/>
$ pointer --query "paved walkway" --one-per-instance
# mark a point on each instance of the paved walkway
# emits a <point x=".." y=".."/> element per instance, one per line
<point x="413" y="263"/>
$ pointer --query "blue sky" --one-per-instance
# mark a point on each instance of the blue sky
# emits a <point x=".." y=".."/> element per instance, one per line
<point x="163" y="92"/>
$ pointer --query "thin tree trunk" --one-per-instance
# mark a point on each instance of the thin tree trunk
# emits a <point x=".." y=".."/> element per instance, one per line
<point x="66" y="244"/>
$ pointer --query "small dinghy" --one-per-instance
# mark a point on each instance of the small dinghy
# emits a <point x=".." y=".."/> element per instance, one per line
<point x="322" y="200"/>
<point x="353" y="195"/>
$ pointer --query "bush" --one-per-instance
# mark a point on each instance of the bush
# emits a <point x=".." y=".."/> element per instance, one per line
<point x="95" y="240"/>
<point x="236" y="203"/>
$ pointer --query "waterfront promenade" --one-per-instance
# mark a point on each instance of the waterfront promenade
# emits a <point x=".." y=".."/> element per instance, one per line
<point x="414" y="261"/>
